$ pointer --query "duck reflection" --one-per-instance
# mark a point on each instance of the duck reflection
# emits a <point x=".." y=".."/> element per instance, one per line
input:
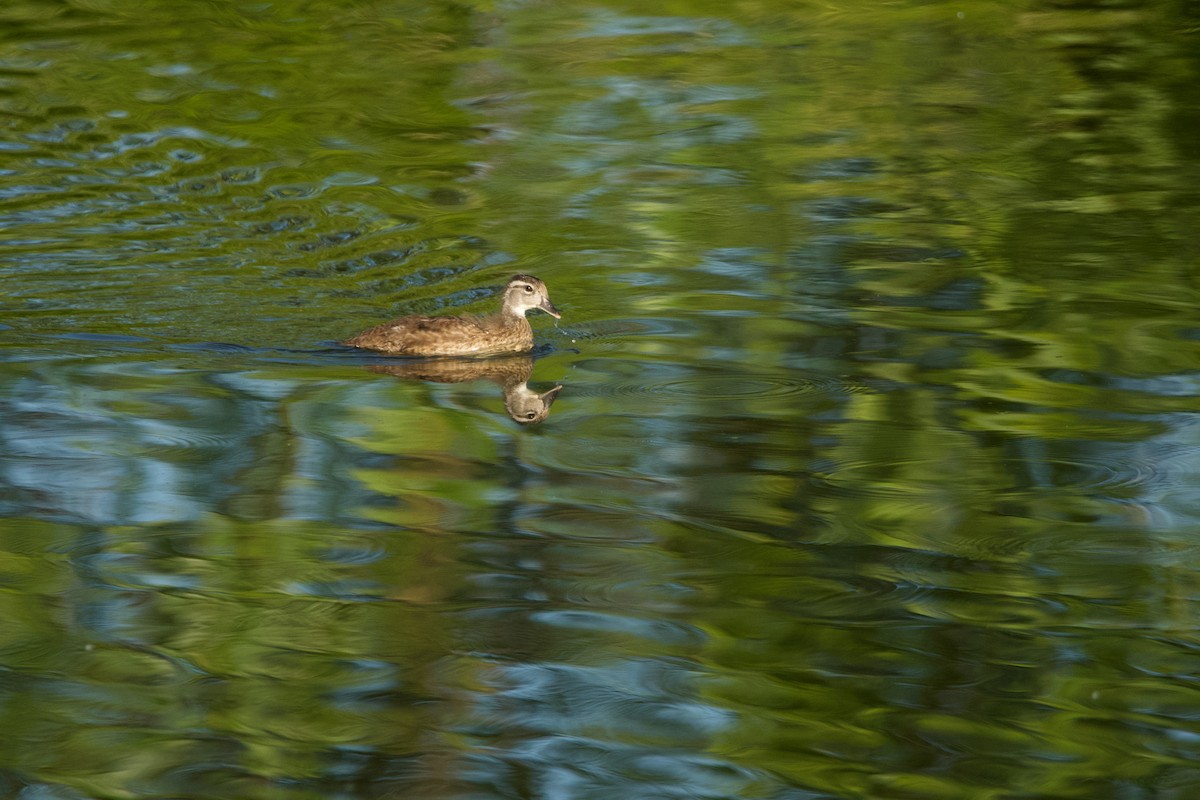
<point x="511" y="373"/>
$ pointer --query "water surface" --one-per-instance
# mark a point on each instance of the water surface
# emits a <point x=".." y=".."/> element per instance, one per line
<point x="872" y="474"/>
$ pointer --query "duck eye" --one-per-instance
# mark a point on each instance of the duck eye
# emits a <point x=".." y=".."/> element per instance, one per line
<point x="528" y="289"/>
<point x="531" y="415"/>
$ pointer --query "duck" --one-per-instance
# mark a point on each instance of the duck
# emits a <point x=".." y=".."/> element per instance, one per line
<point x="510" y="372"/>
<point x="507" y="331"/>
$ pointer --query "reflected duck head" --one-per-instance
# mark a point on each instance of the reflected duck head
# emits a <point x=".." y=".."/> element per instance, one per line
<point x="526" y="406"/>
<point x="526" y="293"/>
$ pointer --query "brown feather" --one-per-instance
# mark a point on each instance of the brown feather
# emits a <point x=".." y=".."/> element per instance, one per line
<point x="429" y="336"/>
<point x="505" y="332"/>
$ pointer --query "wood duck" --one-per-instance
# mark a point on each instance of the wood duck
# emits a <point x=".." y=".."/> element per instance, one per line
<point x="510" y="373"/>
<point x="504" y="332"/>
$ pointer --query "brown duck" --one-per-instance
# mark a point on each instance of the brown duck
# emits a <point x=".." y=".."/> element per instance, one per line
<point x="504" y="332"/>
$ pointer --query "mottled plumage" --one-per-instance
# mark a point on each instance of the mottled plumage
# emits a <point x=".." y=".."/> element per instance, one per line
<point x="506" y="331"/>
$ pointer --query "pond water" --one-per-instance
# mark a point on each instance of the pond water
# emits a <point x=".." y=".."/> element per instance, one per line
<point x="873" y="473"/>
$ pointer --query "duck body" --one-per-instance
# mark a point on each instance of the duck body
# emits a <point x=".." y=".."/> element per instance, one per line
<point x="448" y="336"/>
<point x="507" y="331"/>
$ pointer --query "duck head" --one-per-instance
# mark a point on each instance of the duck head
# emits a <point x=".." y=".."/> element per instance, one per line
<point x="525" y="293"/>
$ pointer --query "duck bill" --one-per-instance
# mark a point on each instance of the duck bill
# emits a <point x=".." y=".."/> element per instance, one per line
<point x="549" y="308"/>
<point x="548" y="397"/>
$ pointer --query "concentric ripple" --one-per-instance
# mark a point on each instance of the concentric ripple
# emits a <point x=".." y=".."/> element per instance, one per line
<point x="676" y="381"/>
<point x="896" y="477"/>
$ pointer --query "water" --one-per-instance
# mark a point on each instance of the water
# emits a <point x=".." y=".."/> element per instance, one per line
<point x="872" y="474"/>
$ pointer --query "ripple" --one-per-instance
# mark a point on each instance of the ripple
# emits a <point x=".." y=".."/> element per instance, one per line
<point x="359" y="550"/>
<point x="724" y="386"/>
<point x="894" y="477"/>
<point x="161" y="441"/>
<point x="618" y="328"/>
<point x="586" y="620"/>
<point x="211" y="347"/>
<point x="115" y="338"/>
<point x="590" y="523"/>
<point x="732" y="387"/>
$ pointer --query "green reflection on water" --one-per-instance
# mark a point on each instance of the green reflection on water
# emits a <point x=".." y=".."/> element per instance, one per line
<point x="871" y="476"/>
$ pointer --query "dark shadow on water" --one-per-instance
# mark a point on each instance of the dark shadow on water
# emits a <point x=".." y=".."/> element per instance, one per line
<point x="511" y="372"/>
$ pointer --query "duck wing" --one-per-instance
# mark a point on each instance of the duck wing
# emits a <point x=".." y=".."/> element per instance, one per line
<point x="420" y="335"/>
